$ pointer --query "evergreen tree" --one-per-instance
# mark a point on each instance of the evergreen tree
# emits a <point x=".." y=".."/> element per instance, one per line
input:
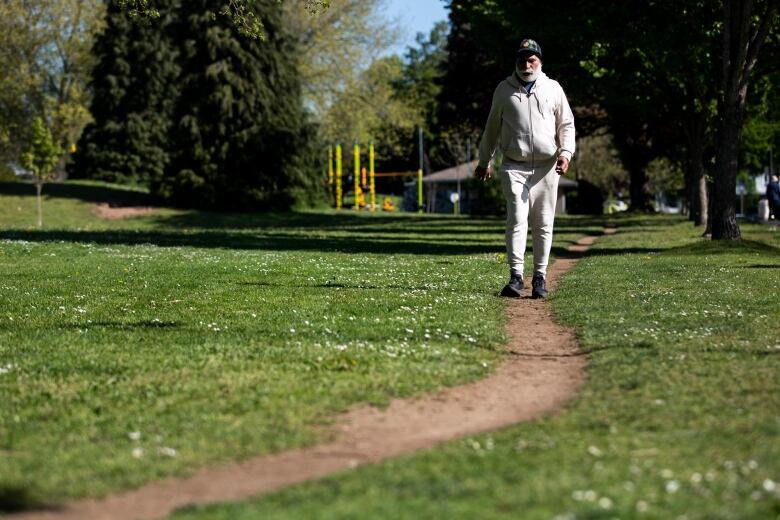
<point x="239" y="137"/>
<point x="200" y="113"/>
<point x="470" y="73"/>
<point x="135" y="87"/>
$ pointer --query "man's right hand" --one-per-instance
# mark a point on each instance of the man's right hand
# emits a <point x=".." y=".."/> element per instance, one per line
<point x="483" y="173"/>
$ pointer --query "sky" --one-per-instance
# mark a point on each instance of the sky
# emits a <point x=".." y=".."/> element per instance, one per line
<point x="415" y="16"/>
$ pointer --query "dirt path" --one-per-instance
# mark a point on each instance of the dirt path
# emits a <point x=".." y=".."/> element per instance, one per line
<point x="544" y="370"/>
<point x="111" y="212"/>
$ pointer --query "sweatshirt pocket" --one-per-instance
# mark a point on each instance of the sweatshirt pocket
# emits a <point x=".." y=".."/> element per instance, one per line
<point x="545" y="141"/>
<point x="515" y="145"/>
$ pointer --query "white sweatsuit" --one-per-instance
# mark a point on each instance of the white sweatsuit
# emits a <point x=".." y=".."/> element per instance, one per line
<point x="531" y="130"/>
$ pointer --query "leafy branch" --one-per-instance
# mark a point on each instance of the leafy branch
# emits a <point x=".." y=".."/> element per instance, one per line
<point x="237" y="11"/>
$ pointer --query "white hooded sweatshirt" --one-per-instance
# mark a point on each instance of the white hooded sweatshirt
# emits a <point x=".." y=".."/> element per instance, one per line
<point x="531" y="128"/>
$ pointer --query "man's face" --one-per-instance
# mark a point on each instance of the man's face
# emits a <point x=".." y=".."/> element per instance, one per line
<point x="528" y="65"/>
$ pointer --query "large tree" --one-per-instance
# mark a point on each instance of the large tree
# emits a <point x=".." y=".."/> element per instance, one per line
<point x="746" y="25"/>
<point x="335" y="45"/>
<point x="204" y="115"/>
<point x="135" y="86"/>
<point x="241" y="13"/>
<point x="240" y="137"/>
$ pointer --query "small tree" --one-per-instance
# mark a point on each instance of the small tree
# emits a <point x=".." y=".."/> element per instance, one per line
<point x="40" y="157"/>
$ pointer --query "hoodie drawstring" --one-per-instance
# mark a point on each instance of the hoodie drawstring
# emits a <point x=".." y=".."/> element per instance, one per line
<point x="539" y="104"/>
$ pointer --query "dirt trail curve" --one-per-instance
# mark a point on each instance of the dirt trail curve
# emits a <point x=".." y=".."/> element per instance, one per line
<point x="545" y="369"/>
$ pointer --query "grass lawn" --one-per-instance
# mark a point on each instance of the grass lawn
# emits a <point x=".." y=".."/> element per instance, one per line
<point x="135" y="349"/>
<point x="680" y="417"/>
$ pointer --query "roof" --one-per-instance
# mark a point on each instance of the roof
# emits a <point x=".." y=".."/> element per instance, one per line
<point x="461" y="172"/>
<point x="466" y="171"/>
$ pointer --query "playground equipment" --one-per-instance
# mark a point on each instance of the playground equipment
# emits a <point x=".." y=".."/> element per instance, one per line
<point x="361" y="182"/>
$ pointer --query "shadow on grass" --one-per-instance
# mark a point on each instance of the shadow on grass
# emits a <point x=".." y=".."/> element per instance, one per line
<point x="721" y="247"/>
<point x="346" y="286"/>
<point x="224" y="240"/>
<point x="118" y="325"/>
<point x="561" y="252"/>
<point x="346" y="220"/>
<point x="17" y="498"/>
<point x="87" y="192"/>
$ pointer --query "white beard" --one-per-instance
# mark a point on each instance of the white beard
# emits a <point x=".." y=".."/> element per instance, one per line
<point x="528" y="75"/>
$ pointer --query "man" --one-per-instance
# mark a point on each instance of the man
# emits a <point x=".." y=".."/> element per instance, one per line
<point x="531" y="123"/>
<point x="773" y="195"/>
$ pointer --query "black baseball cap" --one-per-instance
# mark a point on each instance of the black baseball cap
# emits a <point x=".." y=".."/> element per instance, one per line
<point x="529" y="46"/>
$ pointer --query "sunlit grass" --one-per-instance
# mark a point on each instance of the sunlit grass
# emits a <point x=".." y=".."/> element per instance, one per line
<point x="135" y="349"/>
<point x="680" y="417"/>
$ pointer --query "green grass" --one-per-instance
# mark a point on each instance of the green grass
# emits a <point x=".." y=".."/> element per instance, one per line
<point x="679" y="418"/>
<point x="135" y="349"/>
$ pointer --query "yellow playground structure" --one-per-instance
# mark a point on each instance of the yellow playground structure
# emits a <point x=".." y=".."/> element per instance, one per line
<point x="366" y="179"/>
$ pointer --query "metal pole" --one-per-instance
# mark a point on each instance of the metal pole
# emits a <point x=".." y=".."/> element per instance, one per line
<point x="468" y="165"/>
<point x="330" y="168"/>
<point x="420" y="172"/>
<point x="371" y="185"/>
<point x="356" y="151"/>
<point x="338" y="175"/>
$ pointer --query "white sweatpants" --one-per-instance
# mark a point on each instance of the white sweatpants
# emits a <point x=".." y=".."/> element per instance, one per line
<point x="530" y="193"/>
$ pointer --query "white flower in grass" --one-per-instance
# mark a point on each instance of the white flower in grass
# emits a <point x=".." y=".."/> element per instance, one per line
<point x="696" y="478"/>
<point x="5" y="369"/>
<point x="292" y="331"/>
<point x="593" y="450"/>
<point x="165" y="451"/>
<point x="134" y="436"/>
<point x="138" y="453"/>
<point x="672" y="486"/>
<point x="589" y="495"/>
<point x="769" y="485"/>
<point x="605" y="503"/>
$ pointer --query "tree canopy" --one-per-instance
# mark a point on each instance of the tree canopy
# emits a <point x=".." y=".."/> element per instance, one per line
<point x="654" y="76"/>
<point x="201" y="113"/>
<point x="45" y="56"/>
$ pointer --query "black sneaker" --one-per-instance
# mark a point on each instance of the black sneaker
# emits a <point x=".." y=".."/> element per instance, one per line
<point x="539" y="287"/>
<point x="514" y="289"/>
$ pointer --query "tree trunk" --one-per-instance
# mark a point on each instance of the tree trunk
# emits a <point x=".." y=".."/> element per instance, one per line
<point x="695" y="180"/>
<point x="742" y="43"/>
<point x="695" y="132"/>
<point x="702" y="198"/>
<point x="38" y="189"/>
<point x="640" y="195"/>
<point x="690" y="195"/>
<point x="708" y="225"/>
<point x="724" y="215"/>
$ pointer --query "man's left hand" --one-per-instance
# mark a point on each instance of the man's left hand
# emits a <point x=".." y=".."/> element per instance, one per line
<point x="562" y="166"/>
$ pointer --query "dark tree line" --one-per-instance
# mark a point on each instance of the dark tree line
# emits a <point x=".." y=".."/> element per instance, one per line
<point x="673" y="79"/>
<point x="203" y="115"/>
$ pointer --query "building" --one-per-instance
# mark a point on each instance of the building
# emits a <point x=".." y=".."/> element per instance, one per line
<point x="439" y="187"/>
